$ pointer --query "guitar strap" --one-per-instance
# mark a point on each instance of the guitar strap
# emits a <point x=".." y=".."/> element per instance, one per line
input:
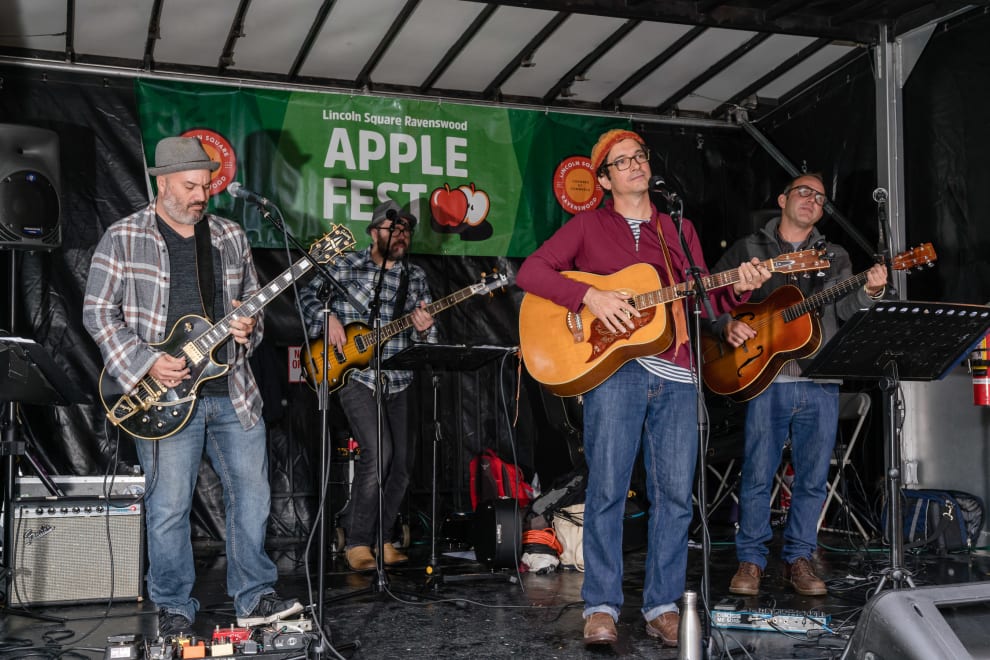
<point x="677" y="307"/>
<point x="204" y="266"/>
<point x="402" y="292"/>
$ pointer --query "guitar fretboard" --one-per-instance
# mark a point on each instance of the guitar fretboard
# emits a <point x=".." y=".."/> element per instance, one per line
<point x="398" y="325"/>
<point x="821" y="298"/>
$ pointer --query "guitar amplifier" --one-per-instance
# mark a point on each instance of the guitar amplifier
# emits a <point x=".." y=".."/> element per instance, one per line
<point x="77" y="548"/>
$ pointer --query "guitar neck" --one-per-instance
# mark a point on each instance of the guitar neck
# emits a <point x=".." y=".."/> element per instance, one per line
<point x="393" y="328"/>
<point x="220" y="330"/>
<point x="684" y="289"/>
<point x="822" y="298"/>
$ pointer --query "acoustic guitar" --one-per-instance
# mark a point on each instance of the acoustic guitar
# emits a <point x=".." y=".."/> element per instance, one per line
<point x="362" y="340"/>
<point x="153" y="411"/>
<point x="786" y="330"/>
<point x="572" y="352"/>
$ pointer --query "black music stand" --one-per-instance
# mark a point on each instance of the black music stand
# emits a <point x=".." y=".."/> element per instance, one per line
<point x="442" y="357"/>
<point x="891" y="342"/>
<point x="27" y="375"/>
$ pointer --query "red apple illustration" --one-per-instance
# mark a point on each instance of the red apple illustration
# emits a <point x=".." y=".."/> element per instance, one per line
<point x="478" y="205"/>
<point x="449" y="207"/>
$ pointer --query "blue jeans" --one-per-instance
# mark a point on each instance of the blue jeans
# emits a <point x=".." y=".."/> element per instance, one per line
<point x="808" y="414"/>
<point x="240" y="458"/>
<point x="361" y="519"/>
<point x="635" y="408"/>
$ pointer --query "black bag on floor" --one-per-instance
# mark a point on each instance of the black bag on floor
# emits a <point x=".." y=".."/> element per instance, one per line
<point x="941" y="520"/>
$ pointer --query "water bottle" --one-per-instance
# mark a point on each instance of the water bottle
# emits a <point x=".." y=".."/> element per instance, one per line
<point x="689" y="632"/>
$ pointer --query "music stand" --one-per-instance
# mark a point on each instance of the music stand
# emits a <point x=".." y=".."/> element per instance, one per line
<point x="895" y="341"/>
<point x="27" y="375"/>
<point x="442" y="357"/>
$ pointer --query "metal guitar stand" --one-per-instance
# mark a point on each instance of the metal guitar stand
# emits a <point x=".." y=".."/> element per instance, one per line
<point x="891" y="342"/>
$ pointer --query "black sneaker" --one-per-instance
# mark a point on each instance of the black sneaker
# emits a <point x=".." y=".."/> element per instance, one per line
<point x="173" y="624"/>
<point x="270" y="608"/>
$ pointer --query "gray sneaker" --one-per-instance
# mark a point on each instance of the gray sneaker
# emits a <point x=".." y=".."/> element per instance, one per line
<point x="269" y="609"/>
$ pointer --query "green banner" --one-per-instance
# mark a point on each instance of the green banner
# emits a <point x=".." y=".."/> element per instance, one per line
<point x="482" y="180"/>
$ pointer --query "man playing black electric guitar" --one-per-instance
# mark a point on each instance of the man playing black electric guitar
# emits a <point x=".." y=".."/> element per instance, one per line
<point x="792" y="407"/>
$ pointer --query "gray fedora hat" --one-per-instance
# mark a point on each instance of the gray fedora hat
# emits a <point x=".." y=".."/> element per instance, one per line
<point x="381" y="214"/>
<point x="179" y="154"/>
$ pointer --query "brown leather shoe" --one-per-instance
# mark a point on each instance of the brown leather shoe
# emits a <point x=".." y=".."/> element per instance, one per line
<point x="392" y="556"/>
<point x="746" y="581"/>
<point x="359" y="558"/>
<point x="599" y="628"/>
<point x="664" y="628"/>
<point x="803" y="579"/>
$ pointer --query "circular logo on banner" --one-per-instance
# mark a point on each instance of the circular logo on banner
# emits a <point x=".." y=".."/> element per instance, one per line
<point x="219" y="150"/>
<point x="575" y="185"/>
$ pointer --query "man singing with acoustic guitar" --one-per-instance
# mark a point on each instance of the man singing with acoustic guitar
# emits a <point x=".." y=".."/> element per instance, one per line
<point x="803" y="410"/>
<point x="648" y="401"/>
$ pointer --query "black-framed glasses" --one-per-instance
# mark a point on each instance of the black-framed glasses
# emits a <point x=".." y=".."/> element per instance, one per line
<point x="623" y="163"/>
<point x="396" y="228"/>
<point x="805" y="191"/>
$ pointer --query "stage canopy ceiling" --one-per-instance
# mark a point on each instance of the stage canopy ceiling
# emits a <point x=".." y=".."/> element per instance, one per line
<point x="651" y="60"/>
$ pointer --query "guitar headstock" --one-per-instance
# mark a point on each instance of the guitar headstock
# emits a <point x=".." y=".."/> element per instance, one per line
<point x="923" y="255"/>
<point x="489" y="283"/>
<point x="797" y="262"/>
<point x="338" y="240"/>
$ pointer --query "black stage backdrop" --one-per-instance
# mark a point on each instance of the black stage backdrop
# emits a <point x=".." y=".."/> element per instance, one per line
<point x="724" y="176"/>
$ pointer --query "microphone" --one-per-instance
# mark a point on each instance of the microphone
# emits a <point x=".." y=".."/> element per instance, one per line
<point x="880" y="195"/>
<point x="237" y="191"/>
<point x="659" y="185"/>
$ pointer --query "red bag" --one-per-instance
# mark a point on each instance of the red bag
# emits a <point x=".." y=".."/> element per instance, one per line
<point x="491" y="478"/>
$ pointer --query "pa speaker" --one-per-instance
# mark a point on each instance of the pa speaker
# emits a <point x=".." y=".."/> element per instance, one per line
<point x="945" y="621"/>
<point x="29" y="188"/>
<point x="74" y="550"/>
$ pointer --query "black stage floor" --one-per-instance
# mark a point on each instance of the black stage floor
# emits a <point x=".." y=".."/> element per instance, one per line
<point x="494" y="617"/>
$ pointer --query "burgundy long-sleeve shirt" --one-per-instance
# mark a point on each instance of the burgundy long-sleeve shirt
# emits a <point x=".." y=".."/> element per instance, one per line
<point x="601" y="242"/>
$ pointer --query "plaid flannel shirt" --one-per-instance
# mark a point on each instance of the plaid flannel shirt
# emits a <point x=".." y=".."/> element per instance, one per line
<point x="126" y="303"/>
<point x="357" y="272"/>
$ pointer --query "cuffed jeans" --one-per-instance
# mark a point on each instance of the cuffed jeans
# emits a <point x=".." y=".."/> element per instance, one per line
<point x="240" y="458"/>
<point x="358" y="402"/>
<point x="807" y="413"/>
<point x="632" y="408"/>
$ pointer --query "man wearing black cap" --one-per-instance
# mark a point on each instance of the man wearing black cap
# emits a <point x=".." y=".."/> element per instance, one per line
<point x="404" y="291"/>
<point x="144" y="277"/>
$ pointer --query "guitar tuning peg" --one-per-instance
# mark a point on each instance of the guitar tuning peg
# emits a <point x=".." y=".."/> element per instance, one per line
<point x="806" y="276"/>
<point x="820" y="273"/>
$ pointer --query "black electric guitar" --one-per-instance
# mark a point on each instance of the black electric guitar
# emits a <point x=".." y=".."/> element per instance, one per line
<point x="153" y="411"/>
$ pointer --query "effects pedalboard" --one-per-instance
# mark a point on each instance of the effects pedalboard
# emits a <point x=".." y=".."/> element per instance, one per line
<point x="730" y="614"/>
<point x="279" y="640"/>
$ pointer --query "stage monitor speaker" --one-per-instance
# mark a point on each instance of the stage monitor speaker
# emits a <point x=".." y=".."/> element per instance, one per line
<point x="62" y="553"/>
<point x="945" y="621"/>
<point x="29" y="188"/>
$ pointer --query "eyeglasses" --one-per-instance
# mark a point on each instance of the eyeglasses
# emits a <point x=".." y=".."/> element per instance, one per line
<point x="400" y="228"/>
<point x="623" y="163"/>
<point x="805" y="191"/>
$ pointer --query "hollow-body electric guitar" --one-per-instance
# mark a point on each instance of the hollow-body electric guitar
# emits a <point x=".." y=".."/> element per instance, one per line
<point x="786" y="329"/>
<point x="153" y="411"/>
<point x="572" y="352"/>
<point x="359" y="348"/>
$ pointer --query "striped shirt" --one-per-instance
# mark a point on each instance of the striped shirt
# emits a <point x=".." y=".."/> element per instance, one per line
<point x="655" y="365"/>
<point x="125" y="308"/>
<point x="357" y="272"/>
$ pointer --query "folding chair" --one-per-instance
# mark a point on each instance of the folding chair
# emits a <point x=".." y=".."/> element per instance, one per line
<point x="853" y="407"/>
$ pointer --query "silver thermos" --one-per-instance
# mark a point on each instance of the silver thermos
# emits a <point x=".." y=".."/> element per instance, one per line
<point x="689" y="633"/>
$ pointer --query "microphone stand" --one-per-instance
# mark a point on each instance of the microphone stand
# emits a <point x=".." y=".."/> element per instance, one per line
<point x="883" y="232"/>
<point x="700" y="298"/>
<point x="323" y="397"/>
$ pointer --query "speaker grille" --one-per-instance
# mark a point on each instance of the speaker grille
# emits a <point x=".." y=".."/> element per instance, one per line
<point x="62" y="553"/>
<point x="29" y="209"/>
